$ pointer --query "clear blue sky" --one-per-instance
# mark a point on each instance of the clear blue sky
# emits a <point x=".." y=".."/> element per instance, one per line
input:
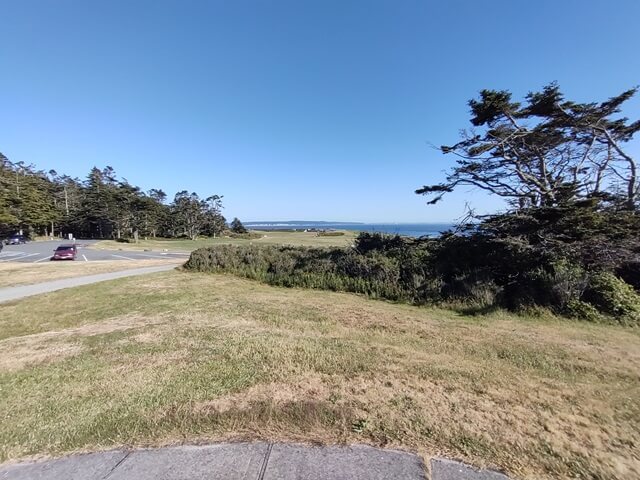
<point x="301" y="110"/>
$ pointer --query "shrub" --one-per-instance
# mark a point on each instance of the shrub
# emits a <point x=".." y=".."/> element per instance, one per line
<point x="247" y="236"/>
<point x="504" y="262"/>
<point x="612" y="295"/>
<point x="583" y="311"/>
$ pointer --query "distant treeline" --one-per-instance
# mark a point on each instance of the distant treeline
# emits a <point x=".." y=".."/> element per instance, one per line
<point x="100" y="206"/>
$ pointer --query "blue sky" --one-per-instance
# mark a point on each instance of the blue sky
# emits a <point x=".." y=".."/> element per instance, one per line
<point x="301" y="110"/>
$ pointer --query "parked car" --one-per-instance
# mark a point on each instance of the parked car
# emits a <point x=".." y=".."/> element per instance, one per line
<point x="65" y="252"/>
<point x="16" y="240"/>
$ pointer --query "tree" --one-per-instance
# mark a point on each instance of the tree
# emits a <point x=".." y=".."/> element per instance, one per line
<point x="545" y="152"/>
<point x="156" y="212"/>
<point x="215" y="221"/>
<point x="26" y="198"/>
<point x="97" y="214"/>
<point x="7" y="216"/>
<point x="237" y="226"/>
<point x="101" y="206"/>
<point x="193" y="216"/>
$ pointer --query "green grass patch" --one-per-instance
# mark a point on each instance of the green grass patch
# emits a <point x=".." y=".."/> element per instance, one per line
<point x="178" y="356"/>
<point x="257" y="237"/>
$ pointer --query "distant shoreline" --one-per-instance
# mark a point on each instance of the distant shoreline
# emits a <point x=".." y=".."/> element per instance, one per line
<point x="289" y="223"/>
<point x="406" y="229"/>
<point x="301" y="222"/>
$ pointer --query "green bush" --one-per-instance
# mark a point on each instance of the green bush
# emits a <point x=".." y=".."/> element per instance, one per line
<point x="249" y="235"/>
<point x="612" y="295"/>
<point x="326" y="268"/>
<point x="543" y="259"/>
<point x="583" y="311"/>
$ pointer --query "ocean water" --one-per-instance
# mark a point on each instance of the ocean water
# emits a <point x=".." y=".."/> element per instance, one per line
<point x="407" y="229"/>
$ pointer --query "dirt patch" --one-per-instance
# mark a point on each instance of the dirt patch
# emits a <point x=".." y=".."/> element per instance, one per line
<point x="23" y="353"/>
<point x="276" y="393"/>
<point x="18" y="352"/>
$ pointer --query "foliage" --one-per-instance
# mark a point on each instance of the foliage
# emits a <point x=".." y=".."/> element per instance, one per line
<point x="583" y="311"/>
<point x="326" y="268"/>
<point x="488" y="266"/>
<point x="247" y="236"/>
<point x="237" y="226"/>
<point x="545" y="152"/>
<point x="570" y="241"/>
<point x="193" y="215"/>
<point x="614" y="296"/>
<point x="101" y="206"/>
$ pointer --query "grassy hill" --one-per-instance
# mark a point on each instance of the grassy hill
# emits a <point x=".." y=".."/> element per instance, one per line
<point x="185" y="357"/>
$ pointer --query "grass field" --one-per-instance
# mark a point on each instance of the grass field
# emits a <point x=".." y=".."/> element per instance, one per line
<point x="184" y="357"/>
<point x="310" y="239"/>
<point x="16" y="273"/>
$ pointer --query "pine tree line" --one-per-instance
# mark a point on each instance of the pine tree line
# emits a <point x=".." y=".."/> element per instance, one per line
<point x="101" y="206"/>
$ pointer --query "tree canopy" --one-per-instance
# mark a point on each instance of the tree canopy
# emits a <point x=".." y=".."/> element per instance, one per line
<point x="100" y="206"/>
<point x="237" y="226"/>
<point x="545" y="151"/>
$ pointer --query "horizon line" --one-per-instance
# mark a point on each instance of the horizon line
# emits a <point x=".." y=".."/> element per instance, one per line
<point x="286" y="222"/>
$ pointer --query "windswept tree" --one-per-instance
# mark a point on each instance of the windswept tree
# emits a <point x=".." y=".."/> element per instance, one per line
<point x="546" y="151"/>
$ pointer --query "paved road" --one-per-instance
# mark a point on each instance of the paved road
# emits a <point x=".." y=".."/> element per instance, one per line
<point x="34" y="252"/>
<point x="246" y="461"/>
<point x="16" y="293"/>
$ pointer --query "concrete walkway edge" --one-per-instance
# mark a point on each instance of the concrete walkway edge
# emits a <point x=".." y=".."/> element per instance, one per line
<point x="246" y="461"/>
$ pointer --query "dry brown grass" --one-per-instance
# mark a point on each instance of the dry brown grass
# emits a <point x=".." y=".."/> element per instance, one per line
<point x="179" y="357"/>
<point x="16" y="273"/>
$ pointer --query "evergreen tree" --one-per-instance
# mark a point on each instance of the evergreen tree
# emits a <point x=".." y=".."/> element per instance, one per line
<point x="101" y="206"/>
<point x="237" y="226"/>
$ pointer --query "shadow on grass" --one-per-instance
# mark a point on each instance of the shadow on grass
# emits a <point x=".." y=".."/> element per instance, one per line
<point x="474" y="310"/>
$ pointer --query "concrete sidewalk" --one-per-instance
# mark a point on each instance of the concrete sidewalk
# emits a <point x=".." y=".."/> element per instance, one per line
<point x="22" y="291"/>
<point x="246" y="461"/>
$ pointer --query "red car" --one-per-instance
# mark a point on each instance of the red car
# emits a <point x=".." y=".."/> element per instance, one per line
<point x="65" y="252"/>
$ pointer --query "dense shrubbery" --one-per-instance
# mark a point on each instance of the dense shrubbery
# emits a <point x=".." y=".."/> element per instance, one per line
<point x="248" y="235"/>
<point x="328" y="268"/>
<point x="576" y="261"/>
